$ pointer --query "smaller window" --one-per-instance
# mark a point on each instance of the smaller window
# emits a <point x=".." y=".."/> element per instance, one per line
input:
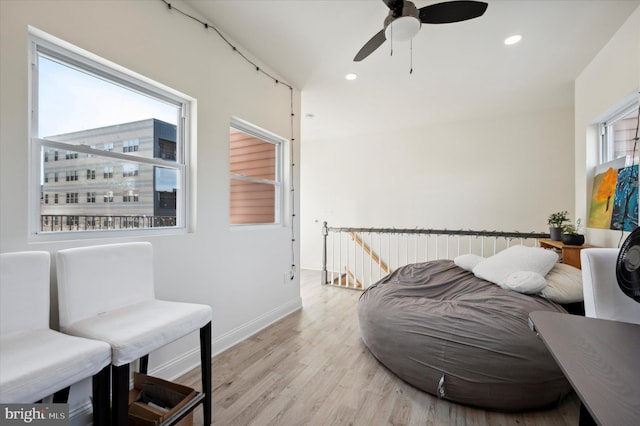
<point x="72" y="198"/>
<point x="130" y="145"/>
<point x="167" y="150"/>
<point x="108" y="173"/>
<point x="72" y="176"/>
<point x="108" y="197"/>
<point x="130" y="196"/>
<point x="91" y="197"/>
<point x="129" y="171"/>
<point x="55" y="198"/>
<point x="91" y="174"/>
<point x="255" y="166"/>
<point x="617" y="135"/>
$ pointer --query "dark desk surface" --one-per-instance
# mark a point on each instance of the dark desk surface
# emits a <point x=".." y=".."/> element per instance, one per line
<point x="601" y="359"/>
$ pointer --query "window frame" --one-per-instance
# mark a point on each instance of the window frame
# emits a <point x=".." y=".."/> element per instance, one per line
<point x="43" y="44"/>
<point x="280" y="181"/>
<point x="606" y="140"/>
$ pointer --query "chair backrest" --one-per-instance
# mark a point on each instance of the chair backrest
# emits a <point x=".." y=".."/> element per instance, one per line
<point x="602" y="295"/>
<point x="99" y="279"/>
<point x="24" y="291"/>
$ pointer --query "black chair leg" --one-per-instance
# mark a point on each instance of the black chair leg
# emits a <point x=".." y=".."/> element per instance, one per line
<point x="62" y="396"/>
<point x="119" y="394"/>
<point x="144" y="364"/>
<point x="101" y="388"/>
<point x="205" y="368"/>
<point x="585" y="418"/>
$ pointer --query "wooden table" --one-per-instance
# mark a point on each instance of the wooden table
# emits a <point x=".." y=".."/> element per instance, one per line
<point x="568" y="254"/>
<point x="601" y="360"/>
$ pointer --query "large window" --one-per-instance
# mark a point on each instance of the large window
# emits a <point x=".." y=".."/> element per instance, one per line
<point x="255" y="166"/>
<point x="105" y="131"/>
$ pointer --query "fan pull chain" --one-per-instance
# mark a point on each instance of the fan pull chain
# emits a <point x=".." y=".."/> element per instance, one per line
<point x="391" y="41"/>
<point x="410" y="56"/>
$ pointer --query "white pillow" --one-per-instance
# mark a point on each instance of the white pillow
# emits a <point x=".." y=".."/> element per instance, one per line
<point x="468" y="261"/>
<point x="498" y="267"/>
<point x="526" y="282"/>
<point x="564" y="284"/>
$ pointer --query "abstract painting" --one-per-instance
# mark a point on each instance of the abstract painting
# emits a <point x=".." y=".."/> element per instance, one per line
<point x="604" y="189"/>
<point x="625" y="204"/>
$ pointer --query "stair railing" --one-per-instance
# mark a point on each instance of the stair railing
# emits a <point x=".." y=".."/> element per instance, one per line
<point x="358" y="257"/>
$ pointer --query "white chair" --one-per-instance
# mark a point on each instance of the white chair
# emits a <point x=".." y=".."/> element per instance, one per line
<point x="602" y="295"/>
<point x="107" y="293"/>
<point x="35" y="361"/>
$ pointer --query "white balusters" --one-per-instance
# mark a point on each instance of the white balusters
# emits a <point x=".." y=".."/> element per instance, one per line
<point x="359" y="257"/>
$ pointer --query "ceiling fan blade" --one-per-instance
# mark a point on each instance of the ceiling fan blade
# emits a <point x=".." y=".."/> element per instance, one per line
<point x="395" y="6"/>
<point x="452" y="11"/>
<point x="375" y="42"/>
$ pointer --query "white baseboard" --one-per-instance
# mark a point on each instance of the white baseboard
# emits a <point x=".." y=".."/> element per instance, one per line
<point x="190" y="360"/>
<point x="238" y="334"/>
<point x="81" y="415"/>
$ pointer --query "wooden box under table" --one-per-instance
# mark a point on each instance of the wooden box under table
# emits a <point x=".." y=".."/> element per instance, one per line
<point x="144" y="414"/>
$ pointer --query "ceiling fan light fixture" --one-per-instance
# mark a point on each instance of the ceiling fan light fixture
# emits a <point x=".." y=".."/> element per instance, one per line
<point x="351" y="76"/>
<point x="404" y="20"/>
<point x="403" y="28"/>
<point x="514" y="39"/>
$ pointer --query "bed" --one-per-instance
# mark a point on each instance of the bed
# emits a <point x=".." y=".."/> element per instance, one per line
<point x="446" y="331"/>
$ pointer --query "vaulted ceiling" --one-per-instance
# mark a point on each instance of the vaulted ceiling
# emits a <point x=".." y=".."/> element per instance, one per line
<point x="461" y="71"/>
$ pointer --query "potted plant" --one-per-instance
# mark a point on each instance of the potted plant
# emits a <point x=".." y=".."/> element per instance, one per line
<point x="555" y="222"/>
<point x="571" y="234"/>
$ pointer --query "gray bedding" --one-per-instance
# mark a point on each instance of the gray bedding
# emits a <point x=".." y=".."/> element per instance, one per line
<point x="434" y="320"/>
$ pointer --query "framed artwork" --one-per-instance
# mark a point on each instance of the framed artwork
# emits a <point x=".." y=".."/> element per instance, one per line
<point x="614" y="201"/>
<point x="625" y="204"/>
<point x="604" y="189"/>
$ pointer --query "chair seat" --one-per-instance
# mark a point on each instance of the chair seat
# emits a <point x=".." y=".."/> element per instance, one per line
<point x="136" y="330"/>
<point x="37" y="363"/>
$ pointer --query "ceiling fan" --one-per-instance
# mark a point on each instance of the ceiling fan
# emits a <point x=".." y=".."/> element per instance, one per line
<point x="405" y="19"/>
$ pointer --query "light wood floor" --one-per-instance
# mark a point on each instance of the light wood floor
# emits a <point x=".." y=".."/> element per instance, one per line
<point x="311" y="368"/>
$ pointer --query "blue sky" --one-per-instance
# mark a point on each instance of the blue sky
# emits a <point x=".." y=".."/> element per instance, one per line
<point x="70" y="100"/>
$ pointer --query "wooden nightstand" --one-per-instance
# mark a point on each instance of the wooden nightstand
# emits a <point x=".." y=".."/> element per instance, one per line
<point x="568" y="254"/>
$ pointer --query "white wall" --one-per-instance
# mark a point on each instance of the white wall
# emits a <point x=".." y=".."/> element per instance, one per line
<point x="505" y="173"/>
<point x="239" y="273"/>
<point x="611" y="77"/>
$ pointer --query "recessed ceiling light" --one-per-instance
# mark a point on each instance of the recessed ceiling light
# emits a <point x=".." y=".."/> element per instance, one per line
<point x="351" y="76"/>
<point x="513" y="39"/>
